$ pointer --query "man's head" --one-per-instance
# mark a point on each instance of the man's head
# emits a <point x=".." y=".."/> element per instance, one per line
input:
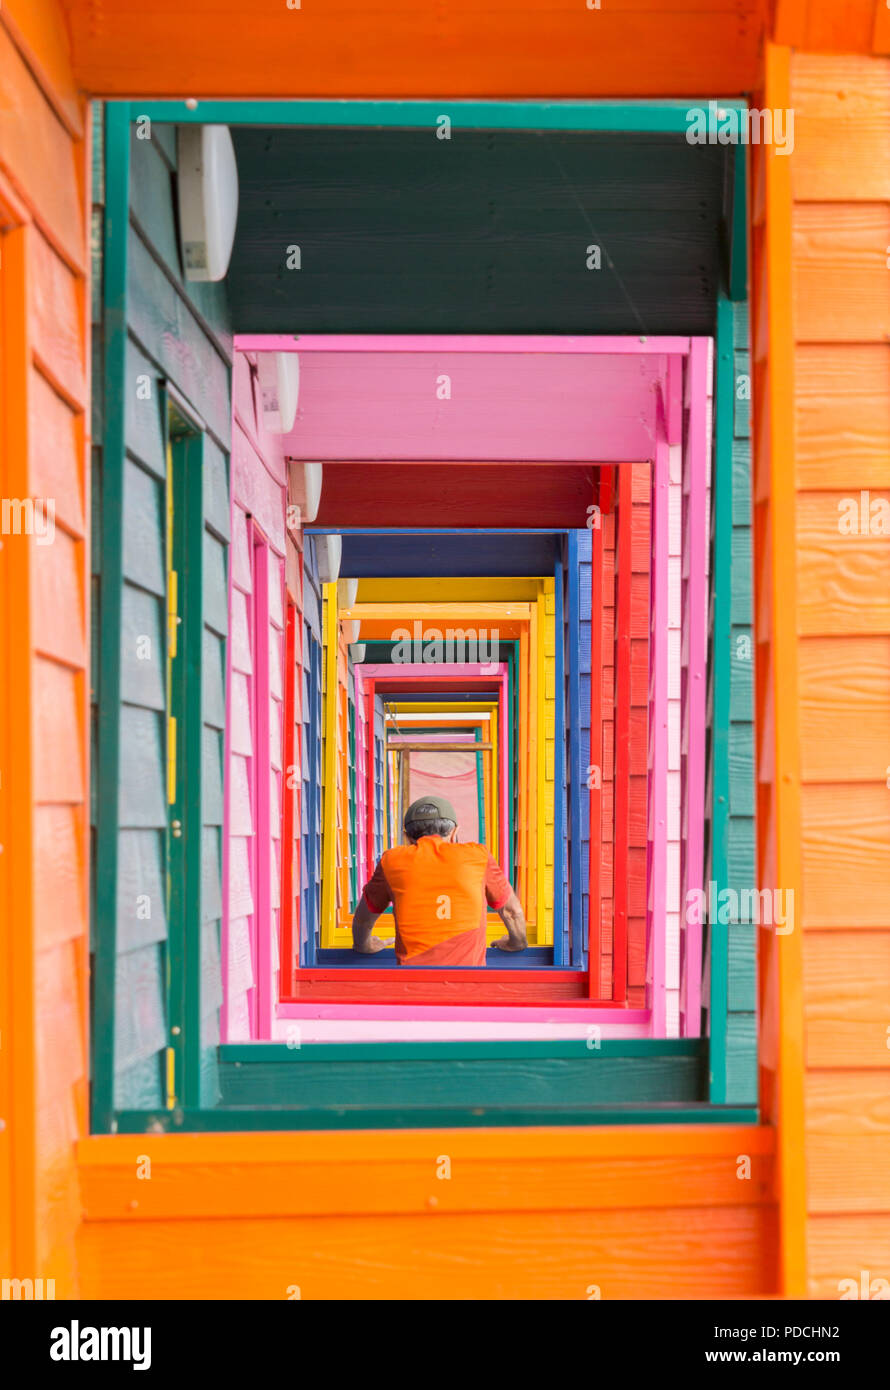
<point x="431" y="815"/>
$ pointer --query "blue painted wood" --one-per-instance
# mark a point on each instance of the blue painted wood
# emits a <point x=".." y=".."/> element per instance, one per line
<point x="385" y="554"/>
<point x="560" y="849"/>
<point x="577" y="760"/>
<point x="534" y="958"/>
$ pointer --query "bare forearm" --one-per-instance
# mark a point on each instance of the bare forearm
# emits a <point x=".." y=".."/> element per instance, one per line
<point x="362" y="926"/>
<point x="513" y="918"/>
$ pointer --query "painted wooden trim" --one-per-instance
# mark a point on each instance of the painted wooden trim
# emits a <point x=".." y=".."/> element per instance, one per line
<point x="290" y="848"/>
<point x="658" y="731"/>
<point x="780" y="426"/>
<point x="561" y="949"/>
<point x="595" y="770"/>
<point x="724" y="408"/>
<point x="111" y="583"/>
<point x="695" y="543"/>
<point x="330" y="657"/>
<point x="185" y="851"/>
<point x="620" y="345"/>
<point x="279" y="1175"/>
<point x="262" y="917"/>
<point x="623" y="578"/>
<point x="420" y="1117"/>
<point x="657" y="117"/>
<point x="19" y="1239"/>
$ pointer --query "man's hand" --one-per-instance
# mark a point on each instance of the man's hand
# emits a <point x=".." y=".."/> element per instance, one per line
<point x="370" y="946"/>
<point x="513" y="918"/>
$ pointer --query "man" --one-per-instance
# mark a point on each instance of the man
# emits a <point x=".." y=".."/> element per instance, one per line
<point x="440" y="891"/>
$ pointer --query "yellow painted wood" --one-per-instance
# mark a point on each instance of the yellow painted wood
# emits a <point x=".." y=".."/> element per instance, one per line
<point x="330" y="631"/>
<point x="446" y="589"/>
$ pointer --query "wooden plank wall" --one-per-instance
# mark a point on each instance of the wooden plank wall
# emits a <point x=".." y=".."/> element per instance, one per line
<point x="177" y="332"/>
<point x="841" y="231"/>
<point x="311" y="730"/>
<point x="641" y="558"/>
<point x="44" y="637"/>
<point x="259" y="499"/>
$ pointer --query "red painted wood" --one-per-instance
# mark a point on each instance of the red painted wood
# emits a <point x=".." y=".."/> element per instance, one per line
<point x="450" y="494"/>
<point x="290" y="842"/>
<point x="622" y="732"/>
<point x="560" y="988"/>
<point x="594" y="920"/>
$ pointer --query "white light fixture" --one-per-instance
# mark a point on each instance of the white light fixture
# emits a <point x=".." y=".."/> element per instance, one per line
<point x="328" y="553"/>
<point x="208" y="199"/>
<point x="356" y="632"/>
<point x="347" y="593"/>
<point x="279" y="377"/>
<point x="304" y="487"/>
<point x="358" y="651"/>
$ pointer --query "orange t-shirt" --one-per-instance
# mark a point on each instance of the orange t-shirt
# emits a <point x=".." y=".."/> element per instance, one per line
<point x="439" y="892"/>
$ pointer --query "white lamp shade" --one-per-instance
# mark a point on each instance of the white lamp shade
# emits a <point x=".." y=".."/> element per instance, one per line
<point x="208" y="199"/>
<point x="356" y="631"/>
<point x="347" y="593"/>
<point x="279" y="378"/>
<point x="304" y="487"/>
<point x="328" y="552"/>
<point x="358" y="651"/>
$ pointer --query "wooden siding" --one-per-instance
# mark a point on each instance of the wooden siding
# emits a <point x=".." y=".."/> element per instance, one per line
<point x="44" y="646"/>
<point x="841" y="229"/>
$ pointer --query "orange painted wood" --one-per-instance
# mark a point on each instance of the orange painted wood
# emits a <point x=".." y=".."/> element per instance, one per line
<point x="35" y="154"/>
<point x="56" y="326"/>
<point x="843" y="582"/>
<point x="698" y="1252"/>
<point x="842" y="415"/>
<point x="840" y="272"/>
<point x="781" y="969"/>
<point x="39" y="31"/>
<point x="349" y="1174"/>
<point x="846" y="979"/>
<point x="394" y="47"/>
<point x="841" y="1247"/>
<point x="55" y="441"/>
<point x="844" y="709"/>
<point x="841" y="128"/>
<point x="58" y="599"/>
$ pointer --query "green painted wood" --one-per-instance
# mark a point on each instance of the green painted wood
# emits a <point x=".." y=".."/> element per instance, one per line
<point x="212" y="776"/>
<point x="142" y="766"/>
<point x="166" y="328"/>
<point x="742" y="562"/>
<point x="741" y="865"/>
<point x="741" y="482"/>
<point x="741" y="770"/>
<point x="742" y="394"/>
<point x="144" y="421"/>
<point x="141" y="889"/>
<point x="741" y="675"/>
<point x="214" y="681"/>
<point x="106" y="765"/>
<point x="165" y="138"/>
<point x="462" y="1050"/>
<point x="604" y="115"/>
<point x="582" y="1079"/>
<point x="142" y="649"/>
<point x="142" y="1085"/>
<point x="720" y="658"/>
<point x="424" y="1116"/>
<point x="742" y="997"/>
<point x="216" y="491"/>
<point x="143" y="530"/>
<point x="216" y="607"/>
<point x="741" y="1052"/>
<point x="488" y="232"/>
<point x="211" y="878"/>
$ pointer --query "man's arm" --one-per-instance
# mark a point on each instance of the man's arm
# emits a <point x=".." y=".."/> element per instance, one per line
<point x="513" y="918"/>
<point x="362" y="922"/>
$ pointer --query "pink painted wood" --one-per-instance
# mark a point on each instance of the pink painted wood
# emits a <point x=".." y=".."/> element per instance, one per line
<point x="695" y="618"/>
<point x="462" y="342"/>
<point x="658" y="733"/>
<point x="448" y="405"/>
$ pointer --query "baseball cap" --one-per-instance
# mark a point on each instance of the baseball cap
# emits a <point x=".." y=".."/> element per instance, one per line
<point x="430" y="808"/>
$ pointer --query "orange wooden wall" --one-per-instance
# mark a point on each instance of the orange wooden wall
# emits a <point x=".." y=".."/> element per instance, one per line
<point x="841" y="299"/>
<point x="44" y="635"/>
